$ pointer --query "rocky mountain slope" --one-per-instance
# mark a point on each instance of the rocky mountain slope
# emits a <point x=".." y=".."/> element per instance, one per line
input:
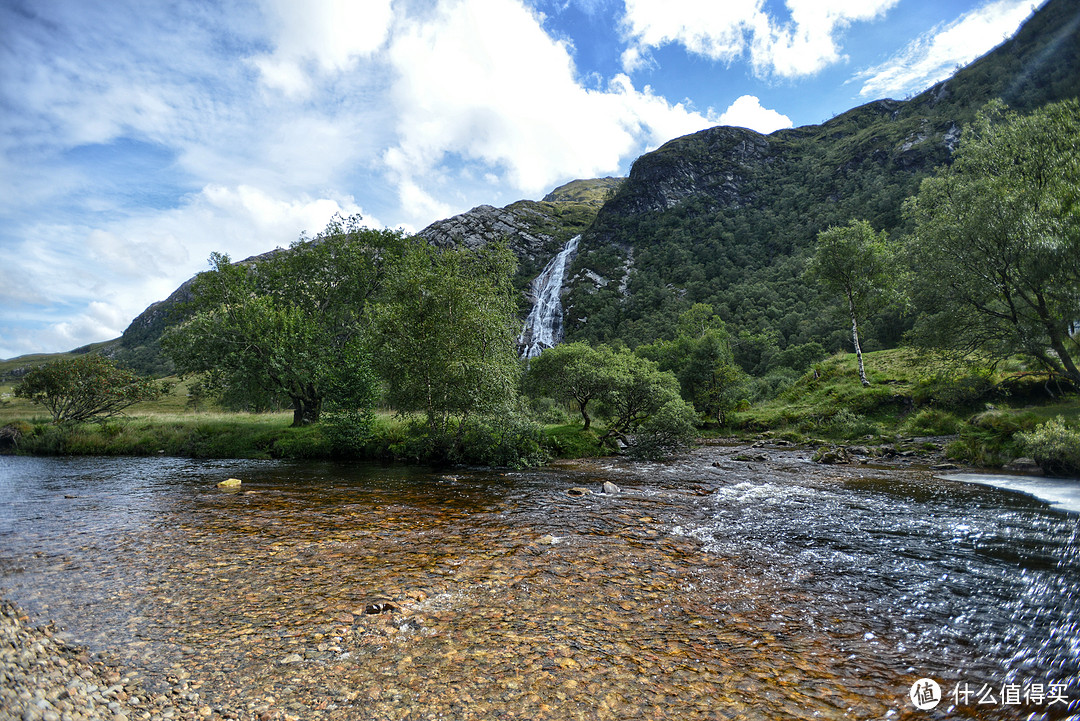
<point x="534" y="230"/>
<point x="725" y="216"/>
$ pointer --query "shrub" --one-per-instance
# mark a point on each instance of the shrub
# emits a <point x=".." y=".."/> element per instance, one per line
<point x="990" y="438"/>
<point x="665" y="432"/>
<point x="1054" y="446"/>
<point x="510" y="441"/>
<point x="932" y="422"/>
<point x="348" y="431"/>
<point x="85" y="388"/>
<point x="847" y="424"/>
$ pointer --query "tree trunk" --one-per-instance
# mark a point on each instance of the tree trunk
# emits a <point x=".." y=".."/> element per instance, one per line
<point x="306" y="410"/>
<point x="584" y="415"/>
<point x="855" y="340"/>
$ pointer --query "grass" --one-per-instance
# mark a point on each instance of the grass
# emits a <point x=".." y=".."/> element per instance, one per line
<point x="915" y="394"/>
<point x="571" y="440"/>
<point x="911" y="395"/>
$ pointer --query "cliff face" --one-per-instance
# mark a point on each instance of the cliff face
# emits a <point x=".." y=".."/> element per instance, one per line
<point x="713" y="164"/>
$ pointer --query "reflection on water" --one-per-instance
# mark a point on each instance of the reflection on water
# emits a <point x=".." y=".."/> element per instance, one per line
<point x="708" y="588"/>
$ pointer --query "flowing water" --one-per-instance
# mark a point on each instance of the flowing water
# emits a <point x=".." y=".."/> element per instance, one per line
<point x="707" y="588"/>
<point x="544" y="325"/>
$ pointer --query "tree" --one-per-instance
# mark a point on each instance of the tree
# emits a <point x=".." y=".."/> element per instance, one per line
<point x="644" y="407"/>
<point x="637" y="389"/>
<point x="88" y="387"/>
<point x="701" y="358"/>
<point x="572" y="372"/>
<point x="448" y="337"/>
<point x="995" y="256"/>
<point x="290" y="324"/>
<point x="853" y="261"/>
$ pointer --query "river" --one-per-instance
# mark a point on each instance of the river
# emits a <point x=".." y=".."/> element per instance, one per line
<point x="707" y="588"/>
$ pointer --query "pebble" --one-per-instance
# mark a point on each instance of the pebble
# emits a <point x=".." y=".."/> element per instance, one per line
<point x="46" y="679"/>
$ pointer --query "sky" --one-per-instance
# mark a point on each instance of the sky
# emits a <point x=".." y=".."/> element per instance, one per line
<point x="139" y="136"/>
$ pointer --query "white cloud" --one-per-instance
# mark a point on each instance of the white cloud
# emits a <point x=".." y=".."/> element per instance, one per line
<point x="936" y="55"/>
<point x="327" y="34"/>
<point x="480" y="82"/>
<point x="725" y="31"/>
<point x="87" y="283"/>
<point x="747" y="112"/>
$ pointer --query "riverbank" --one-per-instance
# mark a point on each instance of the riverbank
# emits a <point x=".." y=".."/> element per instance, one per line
<point x="47" y="678"/>
<point x="271" y="436"/>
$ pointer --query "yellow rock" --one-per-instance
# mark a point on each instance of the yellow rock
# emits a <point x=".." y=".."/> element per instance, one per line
<point x="229" y="483"/>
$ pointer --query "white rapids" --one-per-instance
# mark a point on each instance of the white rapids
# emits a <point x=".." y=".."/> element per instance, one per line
<point x="1061" y="493"/>
<point x="544" y="326"/>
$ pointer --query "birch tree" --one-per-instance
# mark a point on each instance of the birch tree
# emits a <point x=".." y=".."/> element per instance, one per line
<point x="853" y="261"/>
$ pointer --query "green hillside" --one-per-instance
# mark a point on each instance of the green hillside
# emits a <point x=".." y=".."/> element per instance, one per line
<point x="725" y="216"/>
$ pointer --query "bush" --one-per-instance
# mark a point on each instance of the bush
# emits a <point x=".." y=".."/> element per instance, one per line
<point x="348" y="432"/>
<point x="665" y="432"/>
<point x="932" y="422"/>
<point x="847" y="424"/>
<point x="1054" y="446"/>
<point x="955" y="391"/>
<point x="573" y="441"/>
<point x="990" y="438"/>
<point x="306" y="442"/>
<point x="510" y="441"/>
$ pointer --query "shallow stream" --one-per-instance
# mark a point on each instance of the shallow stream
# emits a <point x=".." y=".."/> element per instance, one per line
<point x="707" y="588"/>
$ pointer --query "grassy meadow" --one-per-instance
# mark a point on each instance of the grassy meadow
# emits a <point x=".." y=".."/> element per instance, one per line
<point x="978" y="408"/>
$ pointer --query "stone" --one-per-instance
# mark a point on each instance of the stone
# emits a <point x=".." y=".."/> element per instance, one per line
<point x="831" y="455"/>
<point x="292" y="658"/>
<point x="578" y="491"/>
<point x="230" y="483"/>
<point x="609" y="487"/>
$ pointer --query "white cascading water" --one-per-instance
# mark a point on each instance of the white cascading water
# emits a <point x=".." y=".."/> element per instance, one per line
<point x="543" y="327"/>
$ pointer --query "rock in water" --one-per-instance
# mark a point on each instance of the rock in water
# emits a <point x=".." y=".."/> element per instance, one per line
<point x="578" y="491"/>
<point x="230" y="483"/>
<point x="609" y="487"/>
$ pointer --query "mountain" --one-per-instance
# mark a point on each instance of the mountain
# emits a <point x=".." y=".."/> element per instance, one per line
<point x="533" y="230"/>
<point x="725" y="216"/>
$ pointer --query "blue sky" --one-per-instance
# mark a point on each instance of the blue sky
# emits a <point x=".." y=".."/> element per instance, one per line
<point x="138" y="136"/>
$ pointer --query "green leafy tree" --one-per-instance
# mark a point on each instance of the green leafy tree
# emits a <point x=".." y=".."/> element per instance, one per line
<point x="637" y="390"/>
<point x="291" y="324"/>
<point x="84" y="388"/>
<point x="575" y="372"/>
<point x="854" y="261"/>
<point x="701" y="358"/>
<point x="995" y="256"/>
<point x="448" y="333"/>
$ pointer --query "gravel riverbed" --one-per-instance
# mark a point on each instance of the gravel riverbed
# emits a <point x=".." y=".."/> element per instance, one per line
<point x="44" y="677"/>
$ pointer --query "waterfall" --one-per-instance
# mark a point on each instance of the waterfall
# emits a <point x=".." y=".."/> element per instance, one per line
<point x="544" y="326"/>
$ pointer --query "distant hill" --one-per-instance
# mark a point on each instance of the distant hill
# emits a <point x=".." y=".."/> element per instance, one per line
<point x="725" y="216"/>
